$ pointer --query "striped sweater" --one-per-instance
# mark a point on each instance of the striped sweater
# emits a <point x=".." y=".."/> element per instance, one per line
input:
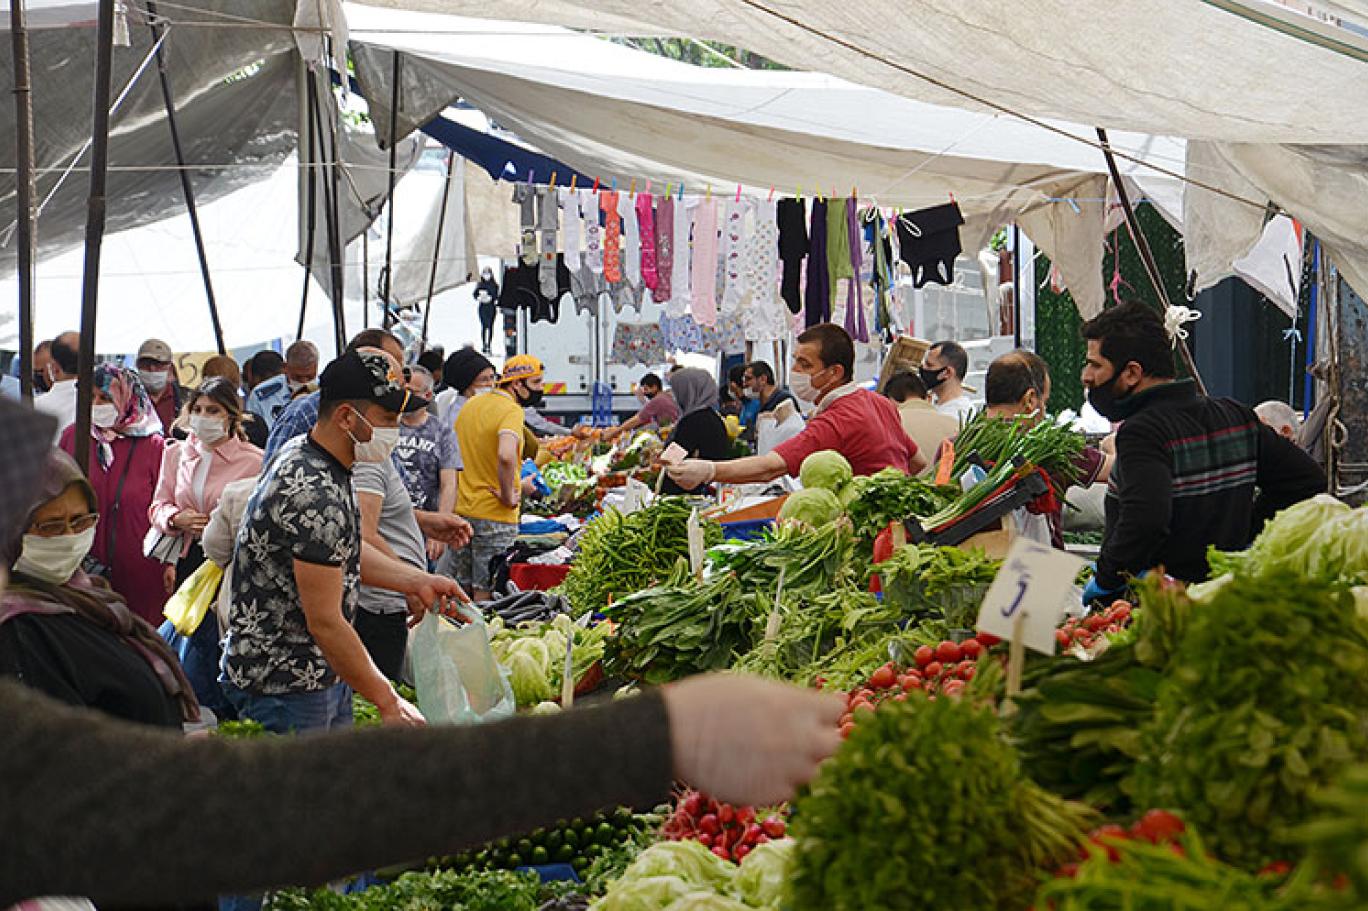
<point x="1192" y="472"/>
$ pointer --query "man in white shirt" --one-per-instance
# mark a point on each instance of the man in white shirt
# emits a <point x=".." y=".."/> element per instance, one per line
<point x="60" y="400"/>
<point x="942" y="371"/>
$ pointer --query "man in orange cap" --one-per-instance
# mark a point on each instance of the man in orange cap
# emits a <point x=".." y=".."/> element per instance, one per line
<point x="490" y="432"/>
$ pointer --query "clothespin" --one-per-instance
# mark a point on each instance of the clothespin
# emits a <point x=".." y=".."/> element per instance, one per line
<point x="596" y="184"/>
<point x="771" y="193"/>
<point x="738" y="192"/>
<point x="681" y="191"/>
<point x="634" y="187"/>
<point x="648" y="185"/>
<point x="553" y="180"/>
<point x="800" y="191"/>
<point x="952" y="197"/>
<point x="668" y="186"/>
<point x="854" y="192"/>
<point x="709" y="191"/>
<point x="531" y="176"/>
<point x="574" y="179"/>
<point x="614" y="184"/>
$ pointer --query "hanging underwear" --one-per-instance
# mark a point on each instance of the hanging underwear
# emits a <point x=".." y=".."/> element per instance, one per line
<point x="587" y="286"/>
<point x="793" y="249"/>
<point x="681" y="295"/>
<point x="929" y="241"/>
<point x="733" y="242"/>
<point x="522" y="289"/>
<point x="817" y="294"/>
<point x="572" y="228"/>
<point x="593" y="233"/>
<point x="637" y="343"/>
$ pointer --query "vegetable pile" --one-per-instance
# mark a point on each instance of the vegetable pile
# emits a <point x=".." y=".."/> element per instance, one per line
<point x="728" y="831"/>
<point x="891" y="496"/>
<point x="534" y="654"/>
<point x="578" y="843"/>
<point x="685" y="876"/>
<point x="938" y="583"/>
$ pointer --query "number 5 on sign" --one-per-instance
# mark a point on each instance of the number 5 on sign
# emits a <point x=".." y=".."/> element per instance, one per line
<point x="1028" y="596"/>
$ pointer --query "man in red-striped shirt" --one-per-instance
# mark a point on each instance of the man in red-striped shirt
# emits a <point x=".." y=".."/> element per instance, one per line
<point x="860" y="425"/>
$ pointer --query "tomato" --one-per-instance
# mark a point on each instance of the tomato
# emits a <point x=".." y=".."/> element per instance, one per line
<point x="987" y="640"/>
<point x="913" y="683"/>
<point x="962" y="667"/>
<point x="883" y="678"/>
<point x="901" y="697"/>
<point x="968" y="673"/>
<point x="924" y="656"/>
<point x="774" y="827"/>
<point x="1062" y="638"/>
<point x="710" y="824"/>
<point x="1158" y="826"/>
<point x="972" y="648"/>
<point x="953" y="687"/>
<point x="1278" y="868"/>
<point x="948" y="652"/>
<point x="934" y="669"/>
<point x="1068" y="871"/>
<point x="861" y="704"/>
<point x="1107" y="836"/>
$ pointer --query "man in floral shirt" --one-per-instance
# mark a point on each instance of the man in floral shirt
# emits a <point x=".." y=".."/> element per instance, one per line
<point x="292" y="659"/>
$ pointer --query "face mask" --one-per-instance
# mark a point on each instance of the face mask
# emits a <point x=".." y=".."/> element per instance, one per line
<point x="801" y="385"/>
<point x="931" y="378"/>
<point x="54" y="560"/>
<point x="104" y="416"/>
<point x="534" y="398"/>
<point x="1108" y="403"/>
<point x="154" y="380"/>
<point x="379" y="446"/>
<point x="480" y="390"/>
<point x="210" y="430"/>
<point x="41" y="382"/>
<point x="750" y="394"/>
<point x="294" y="387"/>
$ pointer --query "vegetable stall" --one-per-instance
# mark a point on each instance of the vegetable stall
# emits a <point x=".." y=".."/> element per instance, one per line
<point x="1192" y="747"/>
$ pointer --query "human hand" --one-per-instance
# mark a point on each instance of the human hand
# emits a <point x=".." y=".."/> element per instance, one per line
<point x="399" y="712"/>
<point x="1092" y="592"/>
<point x="692" y="473"/>
<point x="169" y="578"/>
<point x="445" y="528"/>
<point x="435" y="549"/>
<point x="745" y="740"/>
<point x="190" y="520"/>
<point x="428" y="591"/>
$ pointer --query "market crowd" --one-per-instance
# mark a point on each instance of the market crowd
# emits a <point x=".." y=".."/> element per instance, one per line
<point x="339" y="503"/>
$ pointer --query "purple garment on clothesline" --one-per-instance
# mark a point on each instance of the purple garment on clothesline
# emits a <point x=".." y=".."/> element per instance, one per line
<point x="854" y="299"/>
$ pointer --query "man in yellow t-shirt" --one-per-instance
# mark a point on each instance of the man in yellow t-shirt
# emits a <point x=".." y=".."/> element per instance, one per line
<point x="490" y="431"/>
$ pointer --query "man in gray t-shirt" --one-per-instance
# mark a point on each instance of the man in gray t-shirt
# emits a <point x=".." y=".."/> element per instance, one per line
<point x="390" y="523"/>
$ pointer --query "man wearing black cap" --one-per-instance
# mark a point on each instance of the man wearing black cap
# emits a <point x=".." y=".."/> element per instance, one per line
<point x="292" y="658"/>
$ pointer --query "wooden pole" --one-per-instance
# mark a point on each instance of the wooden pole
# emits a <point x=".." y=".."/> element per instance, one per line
<point x="169" y="100"/>
<point x="1147" y="256"/>
<point x="24" y="190"/>
<point x="95" y="226"/>
<point x="437" y="248"/>
<point x="388" y="316"/>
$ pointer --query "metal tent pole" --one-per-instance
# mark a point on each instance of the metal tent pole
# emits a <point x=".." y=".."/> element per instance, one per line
<point x="365" y="278"/>
<point x="328" y="144"/>
<point x="311" y="196"/>
<point x="437" y="247"/>
<point x="186" y="188"/>
<point x="1147" y="256"/>
<point x="95" y="226"/>
<point x="393" y="164"/>
<point x="24" y="190"/>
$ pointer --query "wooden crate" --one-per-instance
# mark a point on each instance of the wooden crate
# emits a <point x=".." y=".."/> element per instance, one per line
<point x="905" y="356"/>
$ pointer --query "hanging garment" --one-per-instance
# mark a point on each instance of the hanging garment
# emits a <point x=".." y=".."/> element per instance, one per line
<point x="817" y="294"/>
<point x="878" y="237"/>
<point x="838" y="249"/>
<point x="627" y="294"/>
<point x="704" y="277"/>
<point x="764" y="316"/>
<point x="522" y="290"/>
<point x="681" y="333"/>
<point x="646" y="225"/>
<point x="524" y="195"/>
<point x="612" y="235"/>
<point x="733" y="242"/>
<point x="638" y="343"/>
<point x="727" y="337"/>
<point x="855" y="311"/>
<point x="593" y="233"/>
<point x="572" y="228"/>
<point x="681" y="295"/>
<point x="548" y="220"/>
<point x="587" y="286"/>
<point x="793" y="249"/>
<point x="631" y="247"/>
<point x="664" y="225"/>
<point x="929" y="241"/>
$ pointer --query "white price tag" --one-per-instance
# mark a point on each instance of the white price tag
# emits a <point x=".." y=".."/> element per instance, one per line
<point x="696" y="546"/>
<point x="1032" y="585"/>
<point x="637" y="496"/>
<point x="674" y="454"/>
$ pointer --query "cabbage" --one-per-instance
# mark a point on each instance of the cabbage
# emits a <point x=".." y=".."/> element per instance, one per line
<point x="1320" y="539"/>
<point x="760" y="881"/>
<point x="686" y="859"/>
<point x="546" y="708"/>
<point x="827" y="469"/>
<point x="648" y="893"/>
<point x="852" y="491"/>
<point x="812" y="505"/>
<point x="707" y="901"/>
<point x="531" y="683"/>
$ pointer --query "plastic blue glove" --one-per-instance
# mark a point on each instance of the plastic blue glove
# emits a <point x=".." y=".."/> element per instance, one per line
<point x="530" y="470"/>
<point x="1094" y="592"/>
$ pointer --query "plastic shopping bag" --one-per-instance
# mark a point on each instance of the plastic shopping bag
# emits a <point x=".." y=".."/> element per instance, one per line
<point x="454" y="671"/>
<point x="187" y="607"/>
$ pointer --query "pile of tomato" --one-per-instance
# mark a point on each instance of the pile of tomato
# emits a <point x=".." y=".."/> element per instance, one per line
<point x="1087" y="631"/>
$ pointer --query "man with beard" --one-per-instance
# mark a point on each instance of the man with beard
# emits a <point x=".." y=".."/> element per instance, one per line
<point x="1191" y="471"/>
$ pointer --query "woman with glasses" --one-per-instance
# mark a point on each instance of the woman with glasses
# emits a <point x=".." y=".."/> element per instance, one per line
<point x="68" y="634"/>
<point x="125" y="461"/>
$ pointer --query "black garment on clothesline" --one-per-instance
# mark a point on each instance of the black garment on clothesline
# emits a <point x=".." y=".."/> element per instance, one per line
<point x="817" y="295"/>
<point x="929" y="241"/>
<point x="793" y="248"/>
<point x="522" y="289"/>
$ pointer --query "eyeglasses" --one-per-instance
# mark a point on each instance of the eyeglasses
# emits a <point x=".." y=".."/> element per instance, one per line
<point x="72" y="526"/>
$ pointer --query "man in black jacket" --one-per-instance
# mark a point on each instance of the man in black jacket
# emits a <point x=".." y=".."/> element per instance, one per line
<point x="1191" y="471"/>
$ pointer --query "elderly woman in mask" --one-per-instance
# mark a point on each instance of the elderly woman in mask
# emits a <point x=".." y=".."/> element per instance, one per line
<point x="700" y="429"/>
<point x="125" y="462"/>
<point x="68" y="634"/>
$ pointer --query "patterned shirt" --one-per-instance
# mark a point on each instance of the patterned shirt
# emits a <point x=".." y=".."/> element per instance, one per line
<point x="297" y="419"/>
<point x="423" y="453"/>
<point x="303" y="509"/>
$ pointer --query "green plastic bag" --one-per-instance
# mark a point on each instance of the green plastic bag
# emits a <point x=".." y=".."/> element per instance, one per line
<point x="455" y="673"/>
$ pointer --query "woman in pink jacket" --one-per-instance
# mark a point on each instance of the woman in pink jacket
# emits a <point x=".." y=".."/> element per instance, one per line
<point x="125" y="459"/>
<point x="193" y="475"/>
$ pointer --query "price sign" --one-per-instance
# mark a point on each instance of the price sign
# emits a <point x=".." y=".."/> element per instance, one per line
<point x="637" y="496"/>
<point x="696" y="545"/>
<point x="1026" y="601"/>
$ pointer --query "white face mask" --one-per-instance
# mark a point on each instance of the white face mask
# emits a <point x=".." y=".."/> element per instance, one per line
<point x="379" y="446"/>
<point x="480" y="390"/>
<point x="104" y="415"/>
<point x="154" y="380"/>
<point x="800" y="384"/>
<point x="209" y="429"/>
<point x="54" y="560"/>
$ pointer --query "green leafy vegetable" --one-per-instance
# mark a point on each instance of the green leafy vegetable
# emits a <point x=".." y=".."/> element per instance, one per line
<point x="826" y="469"/>
<point x="892" y="496"/>
<point x="814" y="506"/>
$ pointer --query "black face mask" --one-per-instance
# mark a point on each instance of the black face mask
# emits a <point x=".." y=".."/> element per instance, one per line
<point x="1108" y="403"/>
<point x="931" y="379"/>
<point x="534" y="398"/>
<point x="40" y="382"/>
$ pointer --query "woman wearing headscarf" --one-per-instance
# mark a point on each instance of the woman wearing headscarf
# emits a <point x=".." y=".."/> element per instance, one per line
<point x="700" y="429"/>
<point x="68" y="634"/>
<point x="125" y="462"/>
<point x="193" y="476"/>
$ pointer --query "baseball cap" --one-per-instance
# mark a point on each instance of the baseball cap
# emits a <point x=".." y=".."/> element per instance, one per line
<point x="154" y="349"/>
<point x="520" y="367"/>
<point x="368" y="377"/>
